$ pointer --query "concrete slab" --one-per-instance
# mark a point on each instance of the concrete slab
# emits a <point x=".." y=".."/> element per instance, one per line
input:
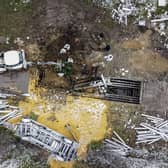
<point x="155" y="97"/>
<point x="15" y="81"/>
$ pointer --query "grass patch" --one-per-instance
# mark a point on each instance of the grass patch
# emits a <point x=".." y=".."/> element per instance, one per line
<point x="88" y="2"/>
<point x="67" y="69"/>
<point x="81" y="164"/>
<point x="161" y="10"/>
<point x="33" y="116"/>
<point x="94" y="145"/>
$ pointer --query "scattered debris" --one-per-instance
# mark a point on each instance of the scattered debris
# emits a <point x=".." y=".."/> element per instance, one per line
<point x="5" y="95"/>
<point x="162" y="3"/>
<point x="19" y="42"/>
<point x="62" y="148"/>
<point x="125" y="9"/>
<point x="122" y="90"/>
<point x="124" y="72"/>
<point x="155" y="130"/>
<point x="113" y="89"/>
<point x="108" y="58"/>
<point x="65" y="49"/>
<point x="26" y="1"/>
<point x="142" y="23"/>
<point x="70" y="60"/>
<point x="118" y="145"/>
<point x="11" y="115"/>
<point x="7" y="40"/>
<point x="8" y="112"/>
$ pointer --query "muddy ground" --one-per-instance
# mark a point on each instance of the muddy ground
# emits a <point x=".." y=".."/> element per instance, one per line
<point x="45" y="26"/>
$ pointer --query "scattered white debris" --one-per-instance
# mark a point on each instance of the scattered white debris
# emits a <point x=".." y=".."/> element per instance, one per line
<point x="153" y="130"/>
<point x="162" y="3"/>
<point x="66" y="48"/>
<point x="70" y="60"/>
<point x="60" y="74"/>
<point x="15" y="9"/>
<point x="7" y="40"/>
<point x="18" y="41"/>
<point x="63" y="51"/>
<point x="28" y="38"/>
<point x="26" y="94"/>
<point x="108" y="58"/>
<point x="8" y="112"/>
<point x="162" y="26"/>
<point x="142" y="23"/>
<point x="4" y="95"/>
<point x="124" y="71"/>
<point x="117" y="145"/>
<point x="26" y="1"/>
<point x="162" y="19"/>
<point x="125" y="9"/>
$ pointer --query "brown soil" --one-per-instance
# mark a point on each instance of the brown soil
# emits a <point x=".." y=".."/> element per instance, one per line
<point x="73" y="22"/>
<point x="147" y="61"/>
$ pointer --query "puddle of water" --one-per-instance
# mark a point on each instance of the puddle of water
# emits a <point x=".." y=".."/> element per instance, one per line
<point x="86" y="116"/>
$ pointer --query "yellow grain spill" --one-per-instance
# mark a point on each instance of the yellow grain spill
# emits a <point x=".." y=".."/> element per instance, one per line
<point x="57" y="164"/>
<point x="86" y="117"/>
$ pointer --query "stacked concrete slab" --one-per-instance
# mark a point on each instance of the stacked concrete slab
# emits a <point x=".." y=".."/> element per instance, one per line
<point x="62" y="148"/>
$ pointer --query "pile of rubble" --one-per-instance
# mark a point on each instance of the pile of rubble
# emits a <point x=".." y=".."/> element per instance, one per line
<point x="153" y="130"/>
<point x="124" y="10"/>
<point x="61" y="148"/>
<point x="116" y="153"/>
<point x="150" y="14"/>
